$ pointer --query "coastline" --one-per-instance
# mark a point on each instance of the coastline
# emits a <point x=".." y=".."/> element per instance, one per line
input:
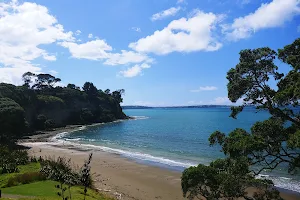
<point x="114" y="174"/>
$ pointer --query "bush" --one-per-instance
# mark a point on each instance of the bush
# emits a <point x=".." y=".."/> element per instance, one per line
<point x="25" y="178"/>
<point x="60" y="170"/>
<point x="10" y="159"/>
<point x="12" y="119"/>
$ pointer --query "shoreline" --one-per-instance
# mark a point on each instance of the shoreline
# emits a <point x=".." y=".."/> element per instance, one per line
<point x="115" y="175"/>
<point x="137" y="184"/>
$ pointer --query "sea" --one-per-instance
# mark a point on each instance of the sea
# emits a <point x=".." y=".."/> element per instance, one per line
<point x="172" y="138"/>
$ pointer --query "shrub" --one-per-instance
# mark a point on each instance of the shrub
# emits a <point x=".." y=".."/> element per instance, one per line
<point x="10" y="159"/>
<point x="12" y="119"/>
<point x="25" y="178"/>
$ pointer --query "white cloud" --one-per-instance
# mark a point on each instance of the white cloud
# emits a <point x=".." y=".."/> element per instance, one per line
<point x="244" y="2"/>
<point x="92" y="50"/>
<point x="126" y="57"/>
<point x="49" y="57"/>
<point x="90" y="36"/>
<point x="78" y="32"/>
<point x="53" y="72"/>
<point x="205" y="88"/>
<point x="181" y="1"/>
<point x="221" y="101"/>
<point x="99" y="50"/>
<point x="165" y="13"/>
<point x="225" y="101"/>
<point x="268" y="15"/>
<point x="183" y="35"/>
<point x="136" y="29"/>
<point x="24" y="28"/>
<point x="134" y="71"/>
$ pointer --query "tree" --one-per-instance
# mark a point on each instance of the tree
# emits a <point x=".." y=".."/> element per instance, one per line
<point x="44" y="81"/>
<point x="73" y="86"/>
<point x="270" y="143"/>
<point x="107" y="91"/>
<point x="27" y="78"/>
<point x="117" y="95"/>
<point x="90" y="89"/>
<point x="12" y="119"/>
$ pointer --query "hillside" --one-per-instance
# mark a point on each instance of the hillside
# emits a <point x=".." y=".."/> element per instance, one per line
<point x="38" y="105"/>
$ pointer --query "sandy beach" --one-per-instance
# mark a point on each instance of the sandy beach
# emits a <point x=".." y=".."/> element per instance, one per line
<point x="113" y="174"/>
<point x="123" y="178"/>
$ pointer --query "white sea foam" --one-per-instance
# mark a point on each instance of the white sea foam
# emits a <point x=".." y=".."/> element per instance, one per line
<point x="141" y="156"/>
<point x="282" y="182"/>
<point x="59" y="136"/>
<point x="139" y="117"/>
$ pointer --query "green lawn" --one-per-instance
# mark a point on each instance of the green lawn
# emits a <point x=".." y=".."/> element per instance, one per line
<point x="32" y="167"/>
<point x="46" y="190"/>
<point x="43" y="190"/>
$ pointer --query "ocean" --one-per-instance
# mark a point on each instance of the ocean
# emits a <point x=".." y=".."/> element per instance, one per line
<point x="172" y="138"/>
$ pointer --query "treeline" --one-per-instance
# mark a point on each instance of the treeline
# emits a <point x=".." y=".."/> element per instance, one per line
<point x="39" y="105"/>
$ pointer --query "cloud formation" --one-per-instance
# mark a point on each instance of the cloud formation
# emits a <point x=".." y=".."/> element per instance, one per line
<point x="136" y="29"/>
<point x="24" y="28"/>
<point x="134" y="71"/>
<point x="205" y="88"/>
<point x="27" y="29"/>
<point x="182" y="35"/>
<point x="268" y="15"/>
<point x="165" y="13"/>
<point x="99" y="50"/>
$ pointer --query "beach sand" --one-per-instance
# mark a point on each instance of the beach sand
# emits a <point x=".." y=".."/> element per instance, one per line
<point x="123" y="178"/>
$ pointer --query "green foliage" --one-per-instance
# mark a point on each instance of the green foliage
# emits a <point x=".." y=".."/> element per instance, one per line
<point x="28" y="168"/>
<point x="269" y="144"/>
<point x="86" y="115"/>
<point x="85" y="173"/>
<point x="45" y="81"/>
<point x="45" y="190"/>
<point x="12" y="119"/>
<point x="60" y="170"/>
<point x="40" y="105"/>
<point x="223" y="179"/>
<point x="10" y="159"/>
<point x="90" y="89"/>
<point x="48" y="99"/>
<point x="25" y="178"/>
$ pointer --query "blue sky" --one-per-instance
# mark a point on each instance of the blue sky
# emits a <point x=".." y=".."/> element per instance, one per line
<point x="162" y="52"/>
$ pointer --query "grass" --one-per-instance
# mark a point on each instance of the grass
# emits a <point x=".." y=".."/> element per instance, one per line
<point x="45" y="190"/>
<point x="32" y="167"/>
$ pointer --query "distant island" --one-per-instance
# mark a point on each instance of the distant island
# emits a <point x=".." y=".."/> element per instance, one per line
<point x="196" y="106"/>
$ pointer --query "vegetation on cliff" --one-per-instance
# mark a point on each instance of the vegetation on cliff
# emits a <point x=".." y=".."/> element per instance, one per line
<point x="40" y="104"/>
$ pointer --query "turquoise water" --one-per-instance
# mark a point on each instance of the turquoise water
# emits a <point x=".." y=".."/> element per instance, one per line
<point x="174" y="138"/>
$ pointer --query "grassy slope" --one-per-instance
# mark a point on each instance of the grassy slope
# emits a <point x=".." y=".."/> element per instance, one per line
<point x="46" y="190"/>
<point x="32" y="167"/>
<point x="43" y="190"/>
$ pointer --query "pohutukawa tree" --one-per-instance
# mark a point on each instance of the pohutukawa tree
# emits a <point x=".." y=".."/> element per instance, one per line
<point x="270" y="144"/>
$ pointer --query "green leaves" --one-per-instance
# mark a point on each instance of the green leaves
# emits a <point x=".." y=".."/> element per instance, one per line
<point x="269" y="144"/>
<point x="290" y="54"/>
<point x="12" y="119"/>
<point x="222" y="179"/>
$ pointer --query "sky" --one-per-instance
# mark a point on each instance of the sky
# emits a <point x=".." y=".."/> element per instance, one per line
<point x="162" y="52"/>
